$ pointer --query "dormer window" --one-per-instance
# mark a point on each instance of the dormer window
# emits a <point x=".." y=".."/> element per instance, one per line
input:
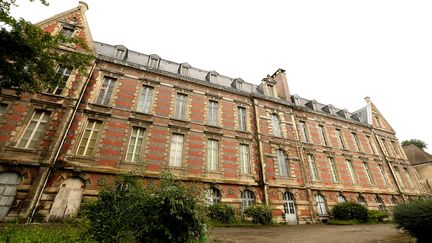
<point x="212" y="76"/>
<point x="270" y="90"/>
<point x="67" y="31"/>
<point x="237" y="83"/>
<point x="184" y="69"/>
<point x="154" y="61"/>
<point x="120" y="52"/>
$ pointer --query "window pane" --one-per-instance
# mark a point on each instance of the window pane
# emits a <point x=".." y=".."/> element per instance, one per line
<point x="323" y="135"/>
<point x="303" y="133"/>
<point x="213" y="113"/>
<point x="282" y="163"/>
<point x="351" y="171"/>
<point x="34" y="130"/>
<point x="176" y="152"/>
<point x="108" y="85"/>
<point x="145" y="100"/>
<point x="212" y="154"/>
<point x="312" y="167"/>
<point x="276" y="125"/>
<point x="333" y="169"/>
<point x="88" y="140"/>
<point x="181" y="106"/>
<point x="244" y="159"/>
<point x="241" y="113"/>
<point x="135" y="144"/>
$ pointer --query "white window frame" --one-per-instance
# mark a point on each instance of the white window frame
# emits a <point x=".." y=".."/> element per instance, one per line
<point x="303" y="131"/>
<point x="371" y="144"/>
<point x="213" y="196"/>
<point x="106" y="90"/>
<point x="212" y="154"/>
<point x="145" y="99"/>
<point x="383" y="174"/>
<point x="176" y="150"/>
<point x="42" y="121"/>
<point x="181" y="106"/>
<point x="283" y="163"/>
<point x="323" y="135"/>
<point x="248" y="199"/>
<point x="91" y="136"/>
<point x="136" y="142"/>
<point x="351" y="171"/>
<point x="368" y="173"/>
<point x="276" y="125"/>
<point x="213" y="111"/>
<point x="321" y="205"/>
<point x="312" y="167"/>
<point x="241" y="118"/>
<point x="339" y="136"/>
<point x="63" y="74"/>
<point x="244" y="159"/>
<point x="356" y="141"/>
<point x="333" y="170"/>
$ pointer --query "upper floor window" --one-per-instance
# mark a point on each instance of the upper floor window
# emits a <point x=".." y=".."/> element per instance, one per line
<point x="276" y="128"/>
<point x="351" y="171"/>
<point x="270" y="90"/>
<point x="244" y="159"/>
<point x="385" y="149"/>
<point x="154" y="61"/>
<point x="67" y="31"/>
<point x="241" y="117"/>
<point x="212" y="154"/>
<point x="181" y="106"/>
<point x="356" y="141"/>
<point x="382" y="173"/>
<point x="88" y="144"/>
<point x="176" y="150"/>
<point x="62" y="75"/>
<point x="398" y="176"/>
<point x="34" y="130"/>
<point x="184" y="69"/>
<point x="213" y="113"/>
<point x="322" y="135"/>
<point x="119" y="54"/>
<point x="368" y="172"/>
<point x="213" y="196"/>
<point x="321" y="205"/>
<point x="378" y="120"/>
<point x="312" y="167"/>
<point x="340" y="138"/>
<point x="145" y="100"/>
<point x="395" y="148"/>
<point x="282" y="163"/>
<point x="303" y="131"/>
<point x="333" y="170"/>
<point x="136" y="142"/>
<point x="248" y="199"/>
<point x="105" y="93"/>
<point x="371" y="144"/>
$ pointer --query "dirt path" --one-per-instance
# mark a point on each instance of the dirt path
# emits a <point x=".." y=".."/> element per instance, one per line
<point x="312" y="233"/>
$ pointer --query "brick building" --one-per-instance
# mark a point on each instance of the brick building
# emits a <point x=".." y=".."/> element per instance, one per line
<point x="243" y="143"/>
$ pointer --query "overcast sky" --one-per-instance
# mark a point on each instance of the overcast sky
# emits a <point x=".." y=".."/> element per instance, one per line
<point x="336" y="52"/>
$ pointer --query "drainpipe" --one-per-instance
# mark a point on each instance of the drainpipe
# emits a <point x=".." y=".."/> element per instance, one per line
<point x="307" y="182"/>
<point x="261" y="153"/>
<point x="46" y="177"/>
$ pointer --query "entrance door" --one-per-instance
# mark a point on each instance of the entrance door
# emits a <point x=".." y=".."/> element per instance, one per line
<point x="8" y="189"/>
<point x="67" y="201"/>
<point x="289" y="206"/>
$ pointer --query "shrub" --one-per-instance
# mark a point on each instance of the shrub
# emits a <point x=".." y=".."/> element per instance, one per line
<point x="128" y="211"/>
<point x="416" y="218"/>
<point x="350" y="211"/>
<point x="260" y="214"/>
<point x="221" y="213"/>
<point x="377" y="216"/>
<point x="342" y="222"/>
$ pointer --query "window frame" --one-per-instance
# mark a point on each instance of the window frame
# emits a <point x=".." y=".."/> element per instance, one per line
<point x="340" y="139"/>
<point x="245" y="165"/>
<point x="321" y="204"/>
<point x="242" y="118"/>
<point x="351" y="171"/>
<point x="248" y="199"/>
<point x="89" y="137"/>
<point x="62" y="76"/>
<point x="368" y="173"/>
<point x="333" y="170"/>
<point x="179" y="151"/>
<point x="312" y="167"/>
<point x="213" y="113"/>
<point x="146" y="100"/>
<point x="323" y="137"/>
<point x="34" y="130"/>
<point x="105" y="100"/>
<point x="356" y="142"/>
<point x="181" y="106"/>
<point x="276" y="125"/>
<point x="213" y="159"/>
<point x="283" y="163"/>
<point x="135" y="146"/>
<point x="303" y="131"/>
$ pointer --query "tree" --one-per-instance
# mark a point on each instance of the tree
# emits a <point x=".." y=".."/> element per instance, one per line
<point x="29" y="56"/>
<point x="417" y="142"/>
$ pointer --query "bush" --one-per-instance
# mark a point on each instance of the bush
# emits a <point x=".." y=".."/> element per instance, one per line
<point x="128" y="211"/>
<point x="221" y="213"/>
<point x="377" y="216"/>
<point x="416" y="218"/>
<point x="342" y="222"/>
<point x="260" y="214"/>
<point x="350" y="211"/>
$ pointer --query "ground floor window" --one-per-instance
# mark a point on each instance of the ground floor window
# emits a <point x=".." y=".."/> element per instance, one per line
<point x="248" y="199"/>
<point x="9" y="182"/>
<point x="321" y="205"/>
<point x="213" y="196"/>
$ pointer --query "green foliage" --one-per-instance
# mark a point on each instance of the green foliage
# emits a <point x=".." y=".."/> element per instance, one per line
<point x="128" y="211"/>
<point x="44" y="233"/>
<point x="350" y="211"/>
<point x="343" y="222"/>
<point x="415" y="217"/>
<point x="260" y="214"/>
<point x="377" y="216"/>
<point x="29" y="56"/>
<point x="221" y="213"/>
<point x="417" y="142"/>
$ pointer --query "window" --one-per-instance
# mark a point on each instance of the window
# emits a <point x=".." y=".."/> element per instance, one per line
<point x="356" y="141"/>
<point x="351" y="171"/>
<point x="176" y="152"/>
<point x="410" y="182"/>
<point x="248" y="199"/>
<point x="361" y="200"/>
<point x="184" y="70"/>
<point x="88" y="140"/>
<point x="108" y="85"/>
<point x="321" y="205"/>
<point x="380" y="204"/>
<point x="67" y="31"/>
<point x="135" y="144"/>
<point x="34" y="129"/>
<point x="385" y="149"/>
<point x="145" y="100"/>
<point x="212" y="154"/>
<point x="62" y="74"/>
<point x="213" y="196"/>
<point x="303" y="132"/>
<point x="395" y="148"/>
<point x="394" y="200"/>
<point x="368" y="173"/>
<point x="371" y="144"/>
<point x="244" y="159"/>
<point x="213" y="113"/>
<point x="119" y="54"/>
<point x="341" y="198"/>
<point x="276" y="125"/>
<point x="333" y="171"/>
<point x="181" y="106"/>
<point x="312" y="167"/>
<point x="398" y="176"/>
<point x="383" y="175"/>
<point x="3" y="108"/>
<point x="154" y="62"/>
<point x="378" y="120"/>
<point x="270" y="90"/>
<point x="322" y="135"/>
<point x="241" y="116"/>
<point x="282" y="163"/>
<point x="9" y="182"/>
<point x="340" y="138"/>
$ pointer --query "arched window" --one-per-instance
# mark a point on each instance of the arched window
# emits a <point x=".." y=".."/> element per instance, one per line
<point x="282" y="163"/>
<point x="394" y="200"/>
<point x="289" y="207"/>
<point x="8" y="189"/>
<point x="362" y="201"/>
<point x="321" y="205"/>
<point x="380" y="204"/>
<point x="248" y="199"/>
<point x="213" y="196"/>
<point x="68" y="199"/>
<point x="341" y="198"/>
<point x="276" y="128"/>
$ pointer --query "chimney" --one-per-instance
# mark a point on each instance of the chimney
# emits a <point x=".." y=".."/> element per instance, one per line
<point x="282" y="84"/>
